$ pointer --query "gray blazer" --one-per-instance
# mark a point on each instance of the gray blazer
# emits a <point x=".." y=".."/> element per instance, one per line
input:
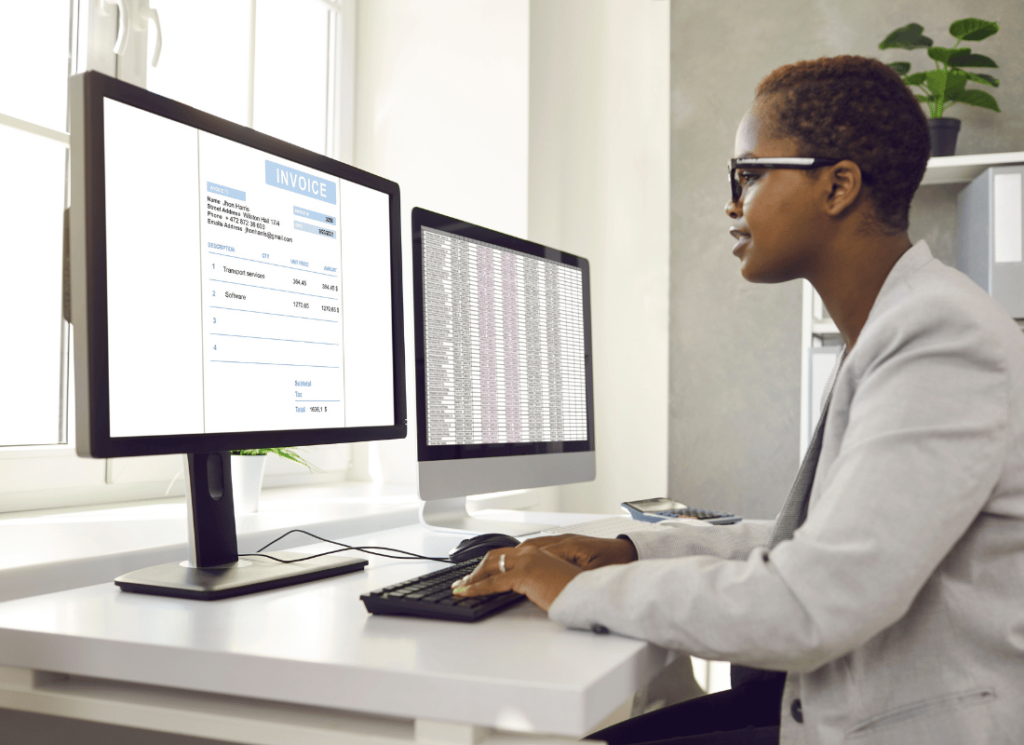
<point x="897" y="608"/>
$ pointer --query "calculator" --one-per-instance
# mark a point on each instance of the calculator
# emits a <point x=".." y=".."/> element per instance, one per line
<point x="656" y="510"/>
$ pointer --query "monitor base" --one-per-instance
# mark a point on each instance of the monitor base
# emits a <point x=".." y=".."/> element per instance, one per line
<point x="247" y="575"/>
<point x="451" y="515"/>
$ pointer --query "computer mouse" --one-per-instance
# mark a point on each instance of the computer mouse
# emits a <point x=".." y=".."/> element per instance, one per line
<point x="478" y="545"/>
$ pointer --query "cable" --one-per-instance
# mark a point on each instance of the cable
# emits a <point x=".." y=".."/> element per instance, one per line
<point x="376" y="551"/>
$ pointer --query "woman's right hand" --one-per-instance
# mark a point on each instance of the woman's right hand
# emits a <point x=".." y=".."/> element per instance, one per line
<point x="586" y="552"/>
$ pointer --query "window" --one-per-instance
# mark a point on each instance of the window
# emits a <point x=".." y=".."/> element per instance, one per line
<point x="277" y="71"/>
<point x="33" y="159"/>
<point x="283" y="66"/>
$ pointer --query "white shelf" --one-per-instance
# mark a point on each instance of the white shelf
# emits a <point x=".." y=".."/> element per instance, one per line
<point x="824" y="328"/>
<point x="963" y="169"/>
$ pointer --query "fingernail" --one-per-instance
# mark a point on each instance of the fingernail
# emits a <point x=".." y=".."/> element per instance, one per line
<point x="459" y="582"/>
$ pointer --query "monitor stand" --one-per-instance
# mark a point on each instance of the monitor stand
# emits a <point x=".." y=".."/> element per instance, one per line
<point x="214" y="569"/>
<point x="451" y="515"/>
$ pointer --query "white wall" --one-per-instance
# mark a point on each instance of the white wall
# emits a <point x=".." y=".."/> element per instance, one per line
<point x="442" y="108"/>
<point x="546" y="119"/>
<point x="599" y="185"/>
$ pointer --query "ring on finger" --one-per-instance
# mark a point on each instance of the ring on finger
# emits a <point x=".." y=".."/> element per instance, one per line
<point x="501" y="563"/>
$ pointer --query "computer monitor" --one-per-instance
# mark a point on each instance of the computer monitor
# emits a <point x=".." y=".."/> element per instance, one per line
<point x="229" y="291"/>
<point x="504" y="380"/>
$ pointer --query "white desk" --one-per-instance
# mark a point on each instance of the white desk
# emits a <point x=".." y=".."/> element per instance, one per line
<point x="307" y="664"/>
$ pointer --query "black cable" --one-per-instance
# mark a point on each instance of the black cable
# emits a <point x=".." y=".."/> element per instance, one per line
<point x="376" y="551"/>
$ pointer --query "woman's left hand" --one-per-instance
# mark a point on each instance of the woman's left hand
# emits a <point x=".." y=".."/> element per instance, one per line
<point x="529" y="570"/>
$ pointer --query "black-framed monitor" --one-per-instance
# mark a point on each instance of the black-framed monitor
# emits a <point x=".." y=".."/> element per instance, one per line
<point x="229" y="291"/>
<point x="504" y="374"/>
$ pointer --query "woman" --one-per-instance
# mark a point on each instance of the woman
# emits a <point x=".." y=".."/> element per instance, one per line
<point x="888" y="592"/>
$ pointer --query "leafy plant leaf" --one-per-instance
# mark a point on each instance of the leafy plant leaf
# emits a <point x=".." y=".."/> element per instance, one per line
<point x="289" y="454"/>
<point x="943" y="82"/>
<point x="982" y="78"/>
<point x="906" y="37"/>
<point x="916" y="79"/>
<point x="975" y="97"/>
<point x="901" y="68"/>
<point x="971" y="60"/>
<point x="923" y="98"/>
<point x="956" y="81"/>
<point x="943" y="54"/>
<point x="944" y="85"/>
<point x="973" y="29"/>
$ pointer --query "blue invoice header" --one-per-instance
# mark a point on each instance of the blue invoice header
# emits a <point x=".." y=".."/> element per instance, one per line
<point x="300" y="182"/>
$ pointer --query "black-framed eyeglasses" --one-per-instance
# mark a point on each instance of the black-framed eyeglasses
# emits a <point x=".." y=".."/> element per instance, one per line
<point x="803" y="164"/>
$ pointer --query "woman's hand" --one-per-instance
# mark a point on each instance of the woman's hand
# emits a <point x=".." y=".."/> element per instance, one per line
<point x="540" y="568"/>
<point x="587" y="552"/>
<point x="528" y="570"/>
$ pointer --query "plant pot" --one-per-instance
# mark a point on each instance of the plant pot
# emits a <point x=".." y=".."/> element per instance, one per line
<point x="943" y="133"/>
<point x="247" y="480"/>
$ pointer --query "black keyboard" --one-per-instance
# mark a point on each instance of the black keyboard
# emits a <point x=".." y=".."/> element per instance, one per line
<point x="430" y="596"/>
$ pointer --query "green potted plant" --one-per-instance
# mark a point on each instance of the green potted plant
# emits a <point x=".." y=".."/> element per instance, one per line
<point x="946" y="84"/>
<point x="247" y="468"/>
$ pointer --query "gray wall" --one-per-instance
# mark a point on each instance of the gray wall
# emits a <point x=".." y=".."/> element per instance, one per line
<point x="735" y="347"/>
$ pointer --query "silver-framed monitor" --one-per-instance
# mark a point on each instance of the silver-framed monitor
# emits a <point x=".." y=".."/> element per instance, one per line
<point x="229" y="291"/>
<point x="504" y="374"/>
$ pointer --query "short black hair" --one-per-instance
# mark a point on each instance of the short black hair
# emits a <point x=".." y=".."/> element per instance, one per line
<point x="855" y="108"/>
